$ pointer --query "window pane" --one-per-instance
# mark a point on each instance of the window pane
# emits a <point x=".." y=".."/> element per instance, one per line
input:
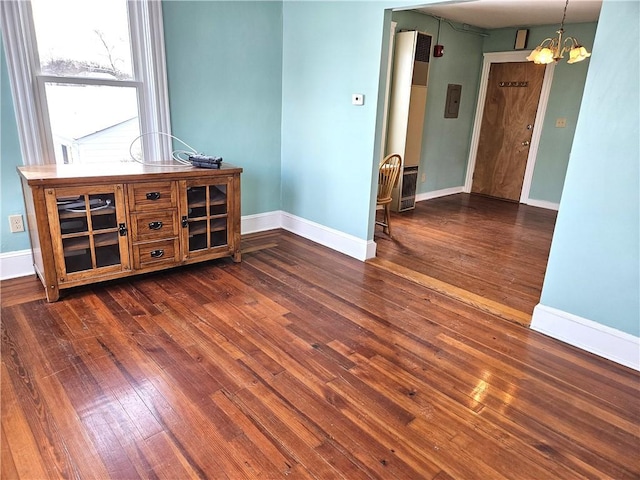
<point x="93" y="123"/>
<point x="83" y="38"/>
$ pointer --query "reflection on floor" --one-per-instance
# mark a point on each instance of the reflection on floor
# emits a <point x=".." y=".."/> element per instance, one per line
<point x="486" y="252"/>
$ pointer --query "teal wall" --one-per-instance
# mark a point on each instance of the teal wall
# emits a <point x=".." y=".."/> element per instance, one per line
<point x="224" y="68"/>
<point x="330" y="148"/>
<point x="594" y="264"/>
<point x="330" y="50"/>
<point x="564" y="102"/>
<point x="10" y="156"/>
<point x="446" y="141"/>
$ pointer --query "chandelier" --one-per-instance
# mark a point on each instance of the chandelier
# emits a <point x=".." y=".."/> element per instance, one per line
<point x="553" y="49"/>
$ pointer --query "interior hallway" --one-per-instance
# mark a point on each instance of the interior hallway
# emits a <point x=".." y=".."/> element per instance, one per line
<point x="483" y="251"/>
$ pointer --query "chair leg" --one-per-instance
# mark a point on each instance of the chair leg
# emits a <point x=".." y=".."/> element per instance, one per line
<point x="387" y="219"/>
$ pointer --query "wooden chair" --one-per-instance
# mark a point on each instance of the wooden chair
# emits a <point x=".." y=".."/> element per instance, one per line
<point x="388" y="172"/>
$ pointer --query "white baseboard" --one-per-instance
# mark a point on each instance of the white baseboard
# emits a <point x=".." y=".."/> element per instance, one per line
<point x="607" y="342"/>
<point x="336" y="240"/>
<point x="16" y="264"/>
<point x="438" y="193"/>
<point x="261" y="222"/>
<point x="342" y="242"/>
<point x="420" y="197"/>
<point x="543" y="204"/>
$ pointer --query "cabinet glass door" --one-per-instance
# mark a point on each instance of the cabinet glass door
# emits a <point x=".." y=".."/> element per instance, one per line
<point x="206" y="219"/>
<point x="89" y="224"/>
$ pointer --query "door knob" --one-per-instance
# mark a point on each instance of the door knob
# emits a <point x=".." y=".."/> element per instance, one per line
<point x="529" y="127"/>
<point x="525" y="143"/>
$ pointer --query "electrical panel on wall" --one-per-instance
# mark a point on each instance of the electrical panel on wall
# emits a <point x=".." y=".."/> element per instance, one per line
<point x="452" y="104"/>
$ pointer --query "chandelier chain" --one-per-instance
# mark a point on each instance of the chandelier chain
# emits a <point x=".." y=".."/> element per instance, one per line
<point x="564" y="15"/>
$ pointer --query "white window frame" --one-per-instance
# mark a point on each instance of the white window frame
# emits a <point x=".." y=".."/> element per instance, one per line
<point x="27" y="85"/>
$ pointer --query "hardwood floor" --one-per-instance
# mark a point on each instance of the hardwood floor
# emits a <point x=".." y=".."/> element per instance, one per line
<point x="476" y="248"/>
<point x="303" y="363"/>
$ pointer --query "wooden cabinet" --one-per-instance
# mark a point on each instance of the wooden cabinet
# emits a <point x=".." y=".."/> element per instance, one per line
<point x="87" y="225"/>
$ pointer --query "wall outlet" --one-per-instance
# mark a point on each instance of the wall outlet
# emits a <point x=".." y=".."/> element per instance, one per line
<point x="561" y="122"/>
<point x="16" y="224"/>
<point x="357" y="99"/>
<point x="423" y="178"/>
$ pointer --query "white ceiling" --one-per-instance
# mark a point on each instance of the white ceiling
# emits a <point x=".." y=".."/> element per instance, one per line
<point x="515" y="13"/>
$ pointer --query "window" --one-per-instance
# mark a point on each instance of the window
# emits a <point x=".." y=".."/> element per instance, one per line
<point x="88" y="77"/>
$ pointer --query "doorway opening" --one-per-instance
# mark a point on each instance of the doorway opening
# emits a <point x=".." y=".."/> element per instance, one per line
<point x="482" y="251"/>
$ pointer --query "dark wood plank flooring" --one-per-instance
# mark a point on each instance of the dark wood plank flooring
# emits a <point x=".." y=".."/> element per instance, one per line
<point x="300" y="363"/>
<point x="493" y="249"/>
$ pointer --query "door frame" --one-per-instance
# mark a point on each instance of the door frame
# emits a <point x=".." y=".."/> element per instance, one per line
<point x="507" y="57"/>
<point x="387" y="92"/>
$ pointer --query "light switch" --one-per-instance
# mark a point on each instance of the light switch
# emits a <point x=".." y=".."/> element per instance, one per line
<point x="561" y="122"/>
<point x="357" y="99"/>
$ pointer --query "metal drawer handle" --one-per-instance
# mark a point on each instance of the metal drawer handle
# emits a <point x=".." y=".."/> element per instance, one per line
<point x="122" y="229"/>
<point x="155" y="225"/>
<point x="153" y="195"/>
<point x="156" y="253"/>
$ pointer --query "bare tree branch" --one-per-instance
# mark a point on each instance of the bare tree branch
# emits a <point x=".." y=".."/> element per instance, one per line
<point x="108" y="49"/>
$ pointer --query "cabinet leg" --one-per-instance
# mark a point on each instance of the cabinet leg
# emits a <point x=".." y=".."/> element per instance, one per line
<point x="237" y="256"/>
<point x="52" y="292"/>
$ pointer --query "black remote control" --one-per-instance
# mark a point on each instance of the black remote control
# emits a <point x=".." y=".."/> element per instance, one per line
<point x="205" y="161"/>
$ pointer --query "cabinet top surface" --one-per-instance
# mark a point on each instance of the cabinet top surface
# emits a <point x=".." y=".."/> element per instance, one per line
<point x="117" y="172"/>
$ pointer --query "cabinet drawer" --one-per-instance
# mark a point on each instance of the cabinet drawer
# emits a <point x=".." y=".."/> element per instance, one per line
<point x="151" y="196"/>
<point x="156" y="253"/>
<point x="154" y="225"/>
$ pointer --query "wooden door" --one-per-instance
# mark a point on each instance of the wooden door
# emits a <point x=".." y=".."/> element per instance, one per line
<point x="513" y="93"/>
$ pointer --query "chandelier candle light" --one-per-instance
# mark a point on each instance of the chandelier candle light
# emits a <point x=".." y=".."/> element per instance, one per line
<point x="553" y="49"/>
